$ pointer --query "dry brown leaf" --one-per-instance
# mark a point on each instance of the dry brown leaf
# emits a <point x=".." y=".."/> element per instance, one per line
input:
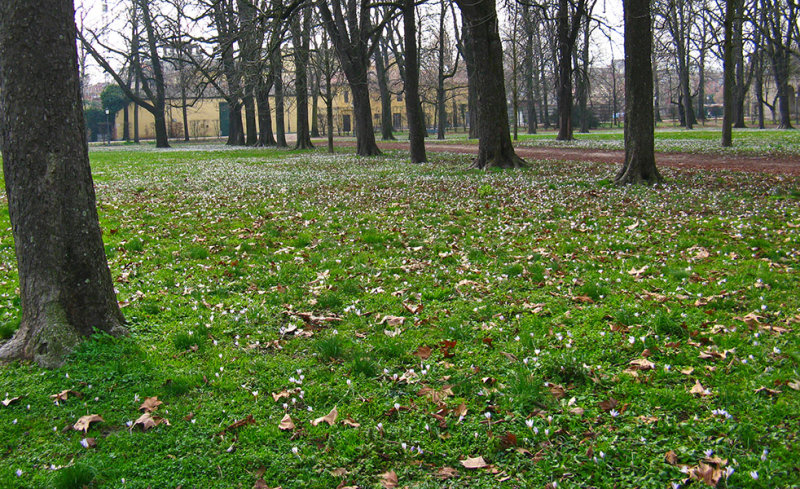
<point x="392" y="333"/>
<point x="671" y="458"/>
<point x="698" y="389"/>
<point x="350" y="422"/>
<point x="286" y="423"/>
<point x="608" y="405"/>
<point x="446" y="473"/>
<point x="150" y="404"/>
<point x="329" y="418"/>
<point x="638" y="272"/>
<point x="84" y="421"/>
<point x="147" y="421"/>
<point x="460" y="410"/>
<point x="751" y="319"/>
<point x="340" y="472"/>
<point x="389" y="479"/>
<point x="64" y="395"/>
<point x="436" y="396"/>
<point x="687" y="371"/>
<point x="557" y="390"/>
<point x="412" y="308"/>
<point x="578" y="411"/>
<point x="392" y="321"/>
<point x="474" y="463"/>
<point x="7" y="402"/>
<point x="642" y="364"/>
<point x="767" y="390"/>
<point x="794" y="384"/>
<point x="708" y="474"/>
<point x="423" y="352"/>
<point x="237" y="424"/>
<point x="584" y="299"/>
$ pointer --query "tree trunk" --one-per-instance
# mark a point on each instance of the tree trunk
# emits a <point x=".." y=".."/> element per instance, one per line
<point x="251" y="131"/>
<point x="126" y="131"/>
<point x="280" y="124"/>
<point x="584" y="78"/>
<point x="472" y="76"/>
<point x="386" y="96"/>
<point x="656" y="91"/>
<point x="564" y="74"/>
<point x="740" y="89"/>
<point x="301" y="30"/>
<point x="362" y="113"/>
<point x="315" y="107"/>
<point x="184" y="113"/>
<point x="265" y="135"/>
<point x="530" y="90"/>
<point x="416" y="127"/>
<point x="66" y="291"/>
<point x="494" y="147"/>
<point x="640" y="162"/>
<point x="159" y="104"/>
<point x="729" y="75"/>
<point x="236" y="134"/>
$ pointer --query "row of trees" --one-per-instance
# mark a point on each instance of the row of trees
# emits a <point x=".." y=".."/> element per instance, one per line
<point x="65" y="285"/>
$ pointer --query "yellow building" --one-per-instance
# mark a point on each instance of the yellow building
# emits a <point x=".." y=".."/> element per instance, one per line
<point x="208" y="117"/>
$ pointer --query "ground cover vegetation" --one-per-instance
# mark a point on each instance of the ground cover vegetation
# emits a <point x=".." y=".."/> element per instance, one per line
<point x="310" y="320"/>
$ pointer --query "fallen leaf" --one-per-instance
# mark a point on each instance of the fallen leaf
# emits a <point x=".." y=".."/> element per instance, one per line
<point x="447" y="473"/>
<point x="460" y="410"/>
<point x="578" y="411"/>
<point x="671" y="458"/>
<point x="64" y="395"/>
<point x="389" y="479"/>
<point x="699" y="389"/>
<point x="638" y="272"/>
<point x="413" y="309"/>
<point x="350" y="422"/>
<point x="423" y="352"/>
<point x="642" y="364"/>
<point x="474" y="463"/>
<point x="150" y="404"/>
<point x="329" y="418"/>
<point x="147" y="421"/>
<point x="340" y="472"/>
<point x="708" y="474"/>
<point x="392" y="333"/>
<point x="286" y="423"/>
<point x="767" y="390"/>
<point x="608" y="405"/>
<point x="557" y="390"/>
<point x="392" y="321"/>
<point x="84" y="422"/>
<point x="794" y="384"/>
<point x="6" y="402"/>
<point x="687" y="371"/>
<point x="238" y="424"/>
<point x="584" y="299"/>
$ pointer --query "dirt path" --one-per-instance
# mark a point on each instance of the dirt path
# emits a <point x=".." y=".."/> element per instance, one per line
<point x="777" y="165"/>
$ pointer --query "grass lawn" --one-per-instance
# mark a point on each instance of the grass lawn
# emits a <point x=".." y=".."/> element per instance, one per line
<point x="562" y="329"/>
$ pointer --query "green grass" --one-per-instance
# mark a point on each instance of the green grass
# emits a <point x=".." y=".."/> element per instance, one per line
<point x="217" y="253"/>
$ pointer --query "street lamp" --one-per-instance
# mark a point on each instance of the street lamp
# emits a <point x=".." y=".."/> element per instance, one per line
<point x="108" y="128"/>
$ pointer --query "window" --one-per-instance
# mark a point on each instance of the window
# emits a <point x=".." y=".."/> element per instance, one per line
<point x="399" y="97"/>
<point x="347" y="97"/>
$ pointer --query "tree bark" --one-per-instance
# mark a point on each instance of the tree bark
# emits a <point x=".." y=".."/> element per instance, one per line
<point x="494" y="147"/>
<point x="65" y="285"/>
<point x="640" y="162"/>
<point x="265" y="135"/>
<point x="567" y="32"/>
<point x="729" y="75"/>
<point x="386" y="96"/>
<point x="301" y="32"/>
<point x="530" y="88"/>
<point x="472" y="76"/>
<point x="416" y="127"/>
<point x="280" y="124"/>
<point x="159" y="103"/>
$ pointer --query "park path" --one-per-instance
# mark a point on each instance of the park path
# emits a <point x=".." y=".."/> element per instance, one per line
<point x="777" y="165"/>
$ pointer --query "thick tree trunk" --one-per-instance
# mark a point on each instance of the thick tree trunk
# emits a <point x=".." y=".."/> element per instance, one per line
<point x="640" y="162"/>
<point x="729" y="75"/>
<point x="301" y="30"/>
<point x="416" y="127"/>
<point x="362" y="113"/>
<point x="265" y="135"/>
<point x="162" y="138"/>
<point x="564" y="74"/>
<point x="65" y="285"/>
<point x="236" y="134"/>
<point x="494" y="147"/>
<point x="472" y="76"/>
<point x="329" y="116"/>
<point x="583" y="99"/>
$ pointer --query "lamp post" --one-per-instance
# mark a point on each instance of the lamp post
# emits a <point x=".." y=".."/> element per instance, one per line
<point x="108" y="129"/>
